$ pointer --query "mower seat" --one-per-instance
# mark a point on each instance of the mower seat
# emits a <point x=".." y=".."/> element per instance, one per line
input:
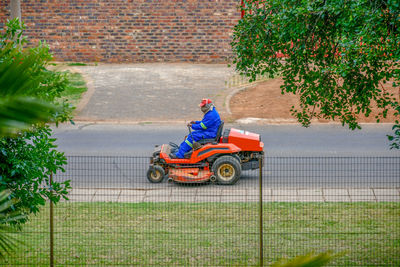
<point x="206" y="141"/>
<point x="213" y="140"/>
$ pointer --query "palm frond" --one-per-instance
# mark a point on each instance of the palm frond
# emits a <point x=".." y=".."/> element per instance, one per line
<point x="8" y="243"/>
<point x="17" y="110"/>
<point x="309" y="260"/>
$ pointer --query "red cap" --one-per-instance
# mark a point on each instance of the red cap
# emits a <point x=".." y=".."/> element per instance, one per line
<point x="205" y="101"/>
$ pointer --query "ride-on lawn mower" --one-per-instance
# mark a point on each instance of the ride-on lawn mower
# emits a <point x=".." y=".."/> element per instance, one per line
<point x="219" y="160"/>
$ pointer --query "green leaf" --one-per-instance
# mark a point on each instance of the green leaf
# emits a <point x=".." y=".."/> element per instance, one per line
<point x="28" y="98"/>
<point x="8" y="243"/>
<point x="336" y="57"/>
<point x="309" y="260"/>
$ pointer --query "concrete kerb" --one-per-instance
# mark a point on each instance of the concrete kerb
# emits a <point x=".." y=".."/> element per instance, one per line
<point x="89" y="84"/>
<point x="223" y="105"/>
<point x="234" y="92"/>
<point x="224" y="195"/>
<point x="88" y="94"/>
<point x="156" y="90"/>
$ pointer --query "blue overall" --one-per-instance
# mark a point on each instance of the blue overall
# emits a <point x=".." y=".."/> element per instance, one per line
<point x="204" y="129"/>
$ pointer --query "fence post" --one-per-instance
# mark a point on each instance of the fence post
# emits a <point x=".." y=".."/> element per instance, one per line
<point x="260" y="215"/>
<point x="51" y="224"/>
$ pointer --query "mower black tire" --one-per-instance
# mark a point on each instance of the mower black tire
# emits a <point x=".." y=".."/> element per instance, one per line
<point x="227" y="170"/>
<point x="155" y="174"/>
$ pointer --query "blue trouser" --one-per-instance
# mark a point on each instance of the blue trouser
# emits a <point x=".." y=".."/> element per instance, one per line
<point x="187" y="145"/>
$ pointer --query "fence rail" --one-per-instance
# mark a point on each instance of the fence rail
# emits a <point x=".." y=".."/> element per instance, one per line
<point x="347" y="205"/>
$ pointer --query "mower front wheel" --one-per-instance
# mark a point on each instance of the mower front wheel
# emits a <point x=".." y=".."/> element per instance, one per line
<point x="227" y="170"/>
<point x="155" y="174"/>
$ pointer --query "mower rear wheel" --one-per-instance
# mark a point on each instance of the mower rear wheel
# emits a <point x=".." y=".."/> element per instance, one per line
<point x="155" y="174"/>
<point x="227" y="170"/>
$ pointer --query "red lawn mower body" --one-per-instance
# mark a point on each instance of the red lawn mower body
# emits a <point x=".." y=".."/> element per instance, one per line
<point x="219" y="160"/>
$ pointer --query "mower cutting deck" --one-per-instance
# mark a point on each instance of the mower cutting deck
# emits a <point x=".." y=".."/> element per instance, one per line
<point x="218" y="160"/>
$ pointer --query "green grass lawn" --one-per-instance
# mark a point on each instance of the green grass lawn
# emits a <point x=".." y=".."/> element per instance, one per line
<point x="213" y="234"/>
<point x="76" y="88"/>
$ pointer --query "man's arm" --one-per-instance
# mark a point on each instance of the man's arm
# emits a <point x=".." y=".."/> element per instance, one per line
<point x="206" y="122"/>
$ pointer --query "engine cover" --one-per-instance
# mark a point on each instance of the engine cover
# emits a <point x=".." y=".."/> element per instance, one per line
<point x="245" y="140"/>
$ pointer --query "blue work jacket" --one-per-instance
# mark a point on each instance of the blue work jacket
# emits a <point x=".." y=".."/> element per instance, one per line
<point x="208" y="126"/>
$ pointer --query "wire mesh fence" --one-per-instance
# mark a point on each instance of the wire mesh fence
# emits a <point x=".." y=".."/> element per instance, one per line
<point x="115" y="216"/>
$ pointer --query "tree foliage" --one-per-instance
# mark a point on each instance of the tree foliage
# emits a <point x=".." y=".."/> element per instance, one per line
<point x="29" y="94"/>
<point x="28" y="90"/>
<point x="18" y="111"/>
<point x="8" y="242"/>
<point x="308" y="260"/>
<point x="26" y="163"/>
<point x="335" y="54"/>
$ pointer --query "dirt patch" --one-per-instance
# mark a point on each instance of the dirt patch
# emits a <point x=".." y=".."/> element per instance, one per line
<point x="264" y="100"/>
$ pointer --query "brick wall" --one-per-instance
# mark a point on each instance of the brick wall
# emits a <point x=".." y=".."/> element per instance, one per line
<point x="131" y="31"/>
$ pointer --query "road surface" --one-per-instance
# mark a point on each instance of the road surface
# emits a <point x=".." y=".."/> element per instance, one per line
<point x="116" y="156"/>
<point x="280" y="140"/>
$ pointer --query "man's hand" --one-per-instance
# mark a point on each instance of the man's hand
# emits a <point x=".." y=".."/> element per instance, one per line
<point x="190" y="123"/>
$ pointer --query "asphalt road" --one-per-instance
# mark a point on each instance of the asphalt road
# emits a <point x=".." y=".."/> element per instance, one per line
<point x="116" y="156"/>
<point x="280" y="140"/>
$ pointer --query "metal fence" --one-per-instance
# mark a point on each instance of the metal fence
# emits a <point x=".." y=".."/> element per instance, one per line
<point x="349" y="206"/>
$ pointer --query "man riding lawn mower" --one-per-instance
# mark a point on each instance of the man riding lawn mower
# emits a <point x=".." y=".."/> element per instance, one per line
<point x="208" y="153"/>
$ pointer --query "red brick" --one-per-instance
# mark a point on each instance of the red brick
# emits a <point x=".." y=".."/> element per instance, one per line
<point x="133" y="31"/>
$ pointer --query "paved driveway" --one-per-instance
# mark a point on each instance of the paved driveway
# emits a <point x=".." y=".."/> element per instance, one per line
<point x="152" y="92"/>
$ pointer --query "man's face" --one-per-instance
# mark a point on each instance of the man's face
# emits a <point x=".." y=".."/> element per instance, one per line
<point x="204" y="108"/>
